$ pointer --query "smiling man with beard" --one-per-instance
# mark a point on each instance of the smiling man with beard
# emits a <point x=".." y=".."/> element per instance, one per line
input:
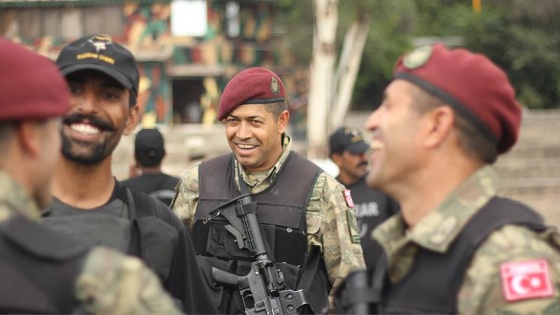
<point x="42" y="271"/>
<point x="90" y="204"/>
<point x="308" y="223"/>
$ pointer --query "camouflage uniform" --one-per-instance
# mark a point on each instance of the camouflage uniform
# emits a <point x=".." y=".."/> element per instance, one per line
<point x="331" y="224"/>
<point x="109" y="282"/>
<point x="481" y="291"/>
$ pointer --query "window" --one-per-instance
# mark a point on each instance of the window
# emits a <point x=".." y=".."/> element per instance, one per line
<point x="62" y="22"/>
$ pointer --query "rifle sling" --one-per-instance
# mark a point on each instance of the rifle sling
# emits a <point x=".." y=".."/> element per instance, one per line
<point x="309" y="269"/>
<point x="242" y="184"/>
<point x="135" y="245"/>
<point x="378" y="277"/>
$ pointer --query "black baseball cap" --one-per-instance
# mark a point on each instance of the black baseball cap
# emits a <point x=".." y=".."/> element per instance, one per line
<point x="99" y="52"/>
<point x="346" y="138"/>
<point x="149" y="147"/>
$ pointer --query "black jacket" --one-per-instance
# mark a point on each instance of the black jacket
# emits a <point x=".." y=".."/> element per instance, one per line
<point x="159" y="238"/>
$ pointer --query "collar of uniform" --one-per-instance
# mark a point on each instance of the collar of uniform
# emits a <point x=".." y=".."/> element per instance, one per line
<point x="271" y="174"/>
<point x="441" y="226"/>
<point x="391" y="234"/>
<point x="17" y="199"/>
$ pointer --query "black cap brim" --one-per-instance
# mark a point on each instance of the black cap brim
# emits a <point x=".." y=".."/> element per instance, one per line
<point x="119" y="77"/>
<point x="358" y="147"/>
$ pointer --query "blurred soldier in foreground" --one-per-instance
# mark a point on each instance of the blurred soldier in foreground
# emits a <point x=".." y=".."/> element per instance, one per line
<point x="43" y="271"/>
<point x="457" y="247"/>
<point x="348" y="150"/>
<point x="146" y="174"/>
<point x="306" y="218"/>
<point x="90" y="204"/>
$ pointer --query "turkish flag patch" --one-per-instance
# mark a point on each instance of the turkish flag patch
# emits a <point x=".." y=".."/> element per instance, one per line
<point x="348" y="198"/>
<point x="526" y="280"/>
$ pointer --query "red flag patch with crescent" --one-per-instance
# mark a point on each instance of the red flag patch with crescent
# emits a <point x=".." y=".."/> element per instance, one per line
<point x="526" y="280"/>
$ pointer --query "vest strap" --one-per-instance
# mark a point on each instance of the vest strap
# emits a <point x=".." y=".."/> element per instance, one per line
<point x="434" y="280"/>
<point x="27" y="250"/>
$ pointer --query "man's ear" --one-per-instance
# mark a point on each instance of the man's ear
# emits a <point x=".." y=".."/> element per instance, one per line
<point x="283" y="120"/>
<point x="29" y="136"/>
<point x="337" y="158"/>
<point x="132" y="120"/>
<point x="440" y="122"/>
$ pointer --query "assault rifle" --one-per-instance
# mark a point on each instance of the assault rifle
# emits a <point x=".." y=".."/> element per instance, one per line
<point x="262" y="289"/>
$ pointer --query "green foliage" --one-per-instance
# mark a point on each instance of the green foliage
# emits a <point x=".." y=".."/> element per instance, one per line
<point x="296" y="21"/>
<point x="391" y="24"/>
<point x="520" y="36"/>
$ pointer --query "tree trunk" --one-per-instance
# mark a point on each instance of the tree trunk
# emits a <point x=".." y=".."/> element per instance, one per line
<point x="321" y="76"/>
<point x="347" y="72"/>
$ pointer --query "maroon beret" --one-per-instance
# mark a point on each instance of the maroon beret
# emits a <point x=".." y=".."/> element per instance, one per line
<point x="31" y="85"/>
<point x="470" y="83"/>
<point x="251" y="86"/>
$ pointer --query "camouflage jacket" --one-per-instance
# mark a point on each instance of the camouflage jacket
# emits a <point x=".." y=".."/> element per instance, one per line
<point x="331" y="224"/>
<point x="109" y="282"/>
<point x="483" y="290"/>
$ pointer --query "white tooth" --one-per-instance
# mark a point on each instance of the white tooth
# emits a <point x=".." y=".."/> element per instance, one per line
<point x="376" y="145"/>
<point x="246" y="146"/>
<point x="83" y="128"/>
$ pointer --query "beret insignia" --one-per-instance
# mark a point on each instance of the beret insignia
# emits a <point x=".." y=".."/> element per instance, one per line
<point x="274" y="87"/>
<point x="418" y="57"/>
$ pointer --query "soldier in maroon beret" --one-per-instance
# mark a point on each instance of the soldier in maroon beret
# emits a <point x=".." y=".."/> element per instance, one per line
<point x="44" y="272"/>
<point x="307" y="215"/>
<point x="33" y="98"/>
<point x="456" y="247"/>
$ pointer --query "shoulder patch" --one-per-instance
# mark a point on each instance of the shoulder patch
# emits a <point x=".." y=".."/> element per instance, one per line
<point x="352" y="226"/>
<point x="526" y="279"/>
<point x="348" y="198"/>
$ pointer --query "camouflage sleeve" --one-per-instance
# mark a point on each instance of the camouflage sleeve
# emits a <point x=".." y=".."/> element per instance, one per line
<point x="111" y="283"/>
<point x="514" y="271"/>
<point x="186" y="197"/>
<point x="332" y="226"/>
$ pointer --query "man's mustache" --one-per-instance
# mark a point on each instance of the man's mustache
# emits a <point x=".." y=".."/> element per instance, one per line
<point x="92" y="120"/>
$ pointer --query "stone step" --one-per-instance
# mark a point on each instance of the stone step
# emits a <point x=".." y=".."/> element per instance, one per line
<point x="533" y="150"/>
<point x="516" y="167"/>
<point x="531" y="186"/>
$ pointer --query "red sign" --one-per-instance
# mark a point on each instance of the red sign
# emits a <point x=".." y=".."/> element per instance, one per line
<point x="348" y="198"/>
<point x="526" y="279"/>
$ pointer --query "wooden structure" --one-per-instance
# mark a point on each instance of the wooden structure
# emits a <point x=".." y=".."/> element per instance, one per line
<point x="186" y="50"/>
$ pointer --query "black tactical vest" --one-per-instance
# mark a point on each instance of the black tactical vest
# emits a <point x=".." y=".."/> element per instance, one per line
<point x="433" y="283"/>
<point x="39" y="268"/>
<point x="153" y="238"/>
<point x="281" y="214"/>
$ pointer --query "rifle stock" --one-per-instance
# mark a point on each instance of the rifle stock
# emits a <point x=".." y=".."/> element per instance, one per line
<point x="262" y="289"/>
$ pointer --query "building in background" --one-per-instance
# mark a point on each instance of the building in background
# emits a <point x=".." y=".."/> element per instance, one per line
<point x="186" y="49"/>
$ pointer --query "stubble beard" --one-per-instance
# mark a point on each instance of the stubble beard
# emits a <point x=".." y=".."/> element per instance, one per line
<point x="98" y="153"/>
